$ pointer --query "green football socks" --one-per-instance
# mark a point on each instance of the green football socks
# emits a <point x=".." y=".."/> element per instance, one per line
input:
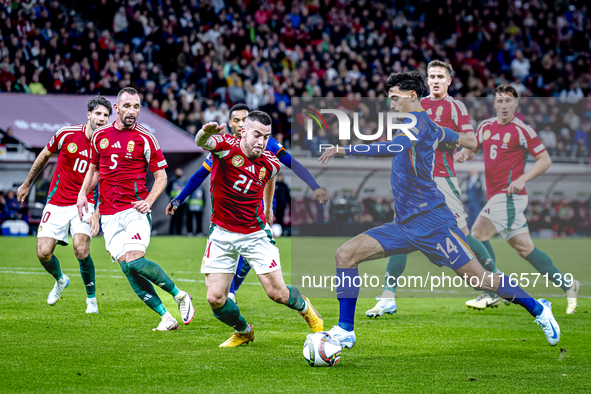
<point x="229" y="314"/>
<point x="88" y="276"/>
<point x="395" y="268"/>
<point x="53" y="267"/>
<point x="143" y="289"/>
<point x="154" y="273"/>
<point x="543" y="263"/>
<point x="295" y="299"/>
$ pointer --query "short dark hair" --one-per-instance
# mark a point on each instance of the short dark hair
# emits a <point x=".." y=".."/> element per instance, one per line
<point x="127" y="90"/>
<point x="259" y="116"/>
<point x="506" y="89"/>
<point x="238" y="107"/>
<point x="405" y="81"/>
<point x="98" y="100"/>
<point x="439" y="63"/>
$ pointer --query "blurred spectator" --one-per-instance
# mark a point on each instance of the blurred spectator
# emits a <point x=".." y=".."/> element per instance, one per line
<point x="548" y="138"/>
<point x="173" y="189"/>
<point x="12" y="208"/>
<point x="195" y="208"/>
<point x="283" y="198"/>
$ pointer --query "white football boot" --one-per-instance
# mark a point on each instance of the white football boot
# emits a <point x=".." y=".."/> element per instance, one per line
<point x="91" y="305"/>
<point x="56" y="292"/>
<point x="384" y="305"/>
<point x="185" y="303"/>
<point x="347" y="339"/>
<point x="484" y="301"/>
<point x="548" y="323"/>
<point x="167" y="323"/>
<point x="571" y="297"/>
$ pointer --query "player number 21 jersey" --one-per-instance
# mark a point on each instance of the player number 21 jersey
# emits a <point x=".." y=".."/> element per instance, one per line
<point x="237" y="186"/>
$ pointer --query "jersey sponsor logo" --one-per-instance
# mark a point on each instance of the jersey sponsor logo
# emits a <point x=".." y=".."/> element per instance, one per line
<point x="84" y="153"/>
<point x="251" y="168"/>
<point x="130" y="146"/>
<point x="237" y="161"/>
<point x="72" y="147"/>
<point x="262" y="174"/>
<point x="116" y="145"/>
<point x="438" y="114"/>
<point x="486" y="135"/>
<point x="104" y="143"/>
<point x="507" y="138"/>
<point x="162" y="163"/>
<point x="496" y="137"/>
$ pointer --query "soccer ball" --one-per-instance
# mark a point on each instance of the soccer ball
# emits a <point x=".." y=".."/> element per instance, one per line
<point x="277" y="230"/>
<point x="322" y="349"/>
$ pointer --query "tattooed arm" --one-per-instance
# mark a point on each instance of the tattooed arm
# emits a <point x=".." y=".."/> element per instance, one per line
<point x="38" y="166"/>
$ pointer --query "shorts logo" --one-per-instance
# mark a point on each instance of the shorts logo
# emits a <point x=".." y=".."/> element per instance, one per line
<point x="262" y="174"/>
<point x="506" y="138"/>
<point x="40" y="228"/>
<point x="72" y="148"/>
<point x="237" y="161"/>
<point x="130" y="146"/>
<point x="104" y="143"/>
<point x="486" y="135"/>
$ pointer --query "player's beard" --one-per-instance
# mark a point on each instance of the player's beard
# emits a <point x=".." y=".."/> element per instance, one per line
<point x="252" y="154"/>
<point x="127" y="121"/>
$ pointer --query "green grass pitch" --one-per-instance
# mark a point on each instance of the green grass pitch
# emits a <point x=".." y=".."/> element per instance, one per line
<point x="430" y="345"/>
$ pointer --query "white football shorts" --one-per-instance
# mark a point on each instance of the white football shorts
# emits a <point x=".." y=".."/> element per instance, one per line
<point x="126" y="231"/>
<point x="60" y="222"/>
<point x="507" y="214"/>
<point x="224" y="248"/>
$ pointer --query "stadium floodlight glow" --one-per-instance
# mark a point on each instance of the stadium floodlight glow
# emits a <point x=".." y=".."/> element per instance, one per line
<point x="345" y="124"/>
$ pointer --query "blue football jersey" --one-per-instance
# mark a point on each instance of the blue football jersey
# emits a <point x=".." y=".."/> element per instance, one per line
<point x="413" y="186"/>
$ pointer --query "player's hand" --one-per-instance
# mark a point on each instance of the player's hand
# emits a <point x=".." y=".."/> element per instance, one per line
<point x="94" y="222"/>
<point x="82" y="205"/>
<point x="22" y="192"/>
<point x="212" y="128"/>
<point x="516" y="186"/>
<point x="328" y="154"/>
<point x="321" y="196"/>
<point x="142" y="206"/>
<point x="269" y="216"/>
<point x="460" y="157"/>
<point x="172" y="206"/>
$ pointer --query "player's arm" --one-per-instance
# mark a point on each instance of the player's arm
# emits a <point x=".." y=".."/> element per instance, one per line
<point x="463" y="123"/>
<point x="192" y="184"/>
<point x="268" y="200"/>
<point x="468" y="140"/>
<point x="543" y="162"/>
<point x="38" y="166"/>
<point x="160" y="180"/>
<point x="94" y="222"/>
<point x="303" y="173"/>
<point x="204" y="137"/>
<point x="465" y="155"/>
<point x="88" y="185"/>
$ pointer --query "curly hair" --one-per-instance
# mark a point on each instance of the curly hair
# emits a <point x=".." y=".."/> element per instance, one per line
<point x="98" y="100"/>
<point x="405" y="81"/>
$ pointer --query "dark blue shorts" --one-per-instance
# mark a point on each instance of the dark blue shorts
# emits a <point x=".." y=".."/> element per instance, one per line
<point x="435" y="234"/>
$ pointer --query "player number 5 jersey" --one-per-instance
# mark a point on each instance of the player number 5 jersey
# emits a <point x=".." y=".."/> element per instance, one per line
<point x="237" y="186"/>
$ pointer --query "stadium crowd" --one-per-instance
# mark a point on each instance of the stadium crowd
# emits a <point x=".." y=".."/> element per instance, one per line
<point x="193" y="59"/>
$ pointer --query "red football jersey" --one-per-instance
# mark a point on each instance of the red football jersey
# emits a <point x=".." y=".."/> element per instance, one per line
<point x="451" y="113"/>
<point x="121" y="157"/>
<point x="237" y="186"/>
<point x="506" y="148"/>
<point x="73" y="149"/>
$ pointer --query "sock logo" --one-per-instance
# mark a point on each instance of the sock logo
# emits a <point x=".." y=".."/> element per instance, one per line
<point x="273" y="264"/>
<point x="90" y="284"/>
<point x="137" y="236"/>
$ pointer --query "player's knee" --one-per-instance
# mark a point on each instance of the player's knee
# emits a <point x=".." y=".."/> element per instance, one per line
<point x="216" y="300"/>
<point x="44" y="253"/>
<point x="81" y="251"/>
<point x="343" y="257"/>
<point x="477" y="233"/>
<point x="523" y="250"/>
